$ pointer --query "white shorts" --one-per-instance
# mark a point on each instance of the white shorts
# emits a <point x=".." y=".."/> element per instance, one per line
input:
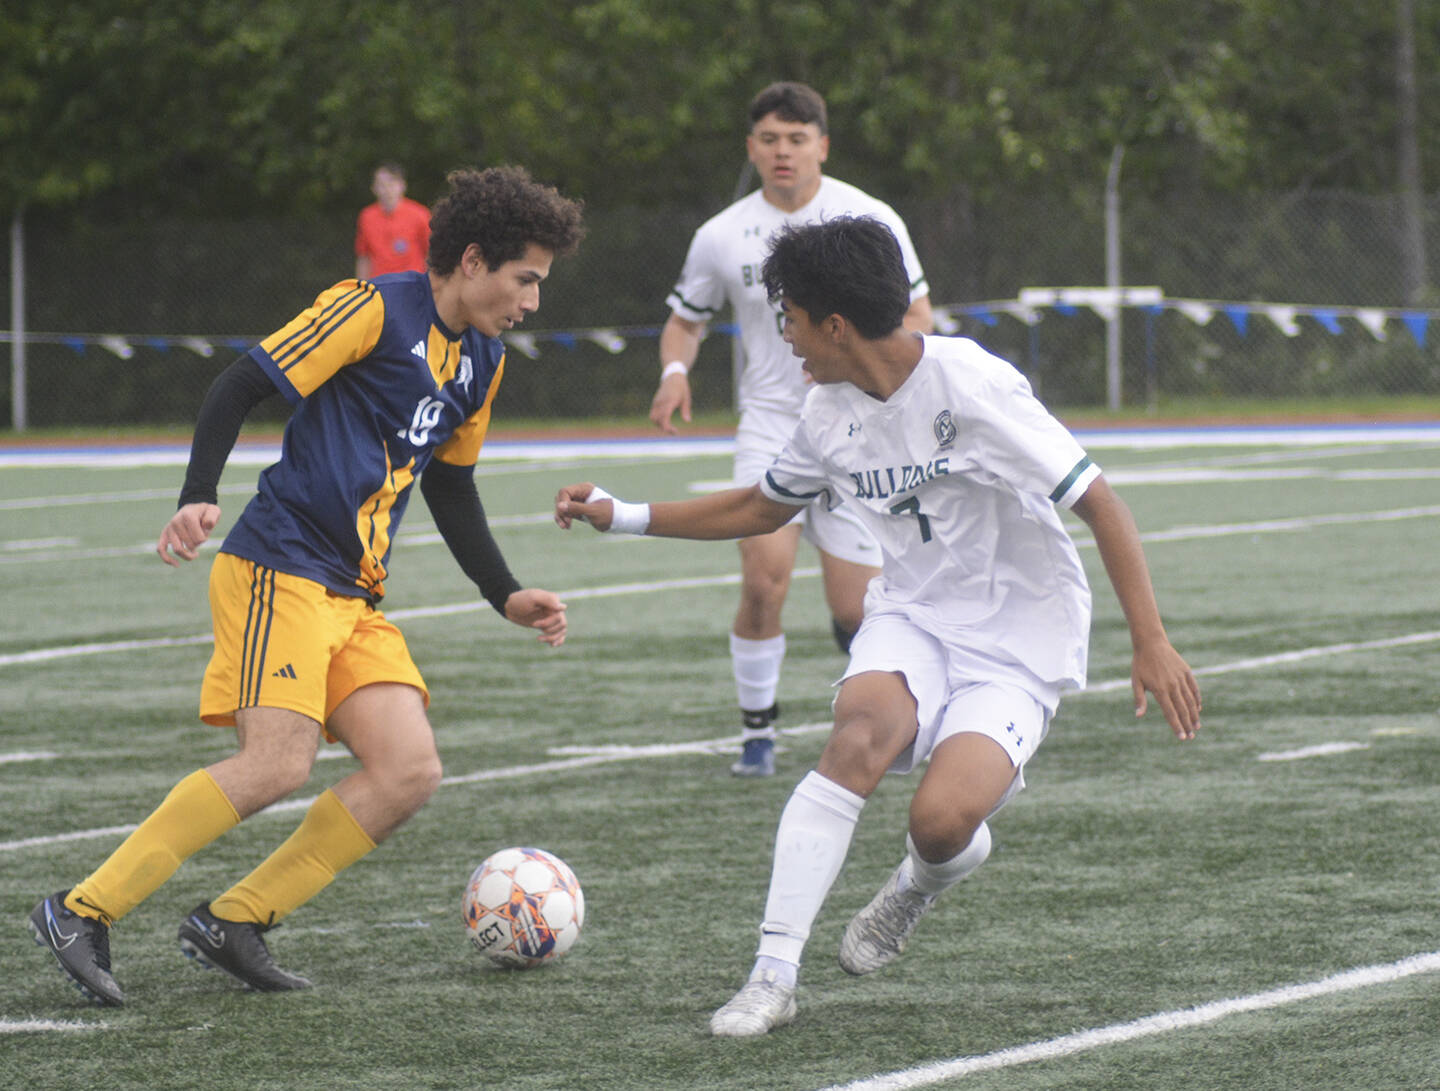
<point x="759" y="438"/>
<point x="946" y="705"/>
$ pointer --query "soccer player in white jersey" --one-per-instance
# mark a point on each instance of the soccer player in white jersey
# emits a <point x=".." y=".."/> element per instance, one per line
<point x="978" y="622"/>
<point x="788" y="143"/>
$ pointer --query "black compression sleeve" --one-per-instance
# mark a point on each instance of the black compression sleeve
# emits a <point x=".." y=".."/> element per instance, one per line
<point x="460" y="518"/>
<point x="236" y="390"/>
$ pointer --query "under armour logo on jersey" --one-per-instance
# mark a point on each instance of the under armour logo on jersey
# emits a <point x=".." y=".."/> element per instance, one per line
<point x="751" y="231"/>
<point x="419" y="350"/>
<point x="853" y="428"/>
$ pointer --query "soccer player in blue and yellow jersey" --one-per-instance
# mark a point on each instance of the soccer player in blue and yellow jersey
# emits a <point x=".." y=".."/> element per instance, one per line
<point x="393" y="381"/>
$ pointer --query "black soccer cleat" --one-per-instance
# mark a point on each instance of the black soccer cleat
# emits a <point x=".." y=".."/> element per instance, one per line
<point x="80" y="945"/>
<point x="238" y="948"/>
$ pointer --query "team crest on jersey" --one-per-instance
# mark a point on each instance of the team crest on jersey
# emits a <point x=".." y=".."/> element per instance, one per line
<point x="466" y="372"/>
<point x="944" y="426"/>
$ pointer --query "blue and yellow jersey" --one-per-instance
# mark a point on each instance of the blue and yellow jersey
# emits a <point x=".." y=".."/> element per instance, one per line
<point x="381" y="386"/>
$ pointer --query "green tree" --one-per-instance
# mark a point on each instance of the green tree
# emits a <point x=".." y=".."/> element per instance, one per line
<point x="286" y="104"/>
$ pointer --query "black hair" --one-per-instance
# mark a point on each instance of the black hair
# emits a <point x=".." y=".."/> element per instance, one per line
<point x="502" y="210"/>
<point x="851" y="266"/>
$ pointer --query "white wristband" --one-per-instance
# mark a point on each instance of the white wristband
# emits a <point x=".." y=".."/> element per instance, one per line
<point x="625" y="518"/>
<point x="629" y="518"/>
<point x="674" y="367"/>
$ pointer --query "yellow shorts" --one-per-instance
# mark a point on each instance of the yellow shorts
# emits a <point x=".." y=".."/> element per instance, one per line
<point x="283" y="641"/>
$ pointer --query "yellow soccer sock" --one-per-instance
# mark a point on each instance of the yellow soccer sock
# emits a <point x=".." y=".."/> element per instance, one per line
<point x="194" y="813"/>
<point x="327" y="841"/>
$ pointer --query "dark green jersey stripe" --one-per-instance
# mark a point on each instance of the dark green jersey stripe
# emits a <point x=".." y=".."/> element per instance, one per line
<point x="803" y="497"/>
<point x="692" y="306"/>
<point x="1064" y="486"/>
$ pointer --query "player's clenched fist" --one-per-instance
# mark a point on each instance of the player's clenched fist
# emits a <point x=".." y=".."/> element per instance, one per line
<point x="587" y="502"/>
<point x="186" y="531"/>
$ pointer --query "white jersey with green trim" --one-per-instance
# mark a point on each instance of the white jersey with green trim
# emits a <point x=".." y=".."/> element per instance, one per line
<point x="957" y="475"/>
<point x="723" y="264"/>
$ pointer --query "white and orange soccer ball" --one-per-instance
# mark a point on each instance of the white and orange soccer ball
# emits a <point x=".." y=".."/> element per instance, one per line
<point x="523" y="907"/>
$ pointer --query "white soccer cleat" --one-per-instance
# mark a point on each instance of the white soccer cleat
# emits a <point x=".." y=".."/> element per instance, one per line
<point x="879" y="932"/>
<point x="762" y="1004"/>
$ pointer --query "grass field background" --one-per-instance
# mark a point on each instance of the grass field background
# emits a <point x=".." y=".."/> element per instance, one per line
<point x="1135" y="877"/>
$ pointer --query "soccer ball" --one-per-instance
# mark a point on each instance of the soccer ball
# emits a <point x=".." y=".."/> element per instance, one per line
<point x="523" y="907"/>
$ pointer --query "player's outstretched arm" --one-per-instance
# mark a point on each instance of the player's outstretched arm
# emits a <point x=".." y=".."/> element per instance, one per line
<point x="731" y="513"/>
<point x="1156" y="666"/>
<point x="540" y="610"/>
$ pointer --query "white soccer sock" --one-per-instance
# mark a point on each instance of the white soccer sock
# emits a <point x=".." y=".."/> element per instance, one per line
<point x="810" y="847"/>
<point x="756" y="666"/>
<point x="931" y="878"/>
<point x="786" y="973"/>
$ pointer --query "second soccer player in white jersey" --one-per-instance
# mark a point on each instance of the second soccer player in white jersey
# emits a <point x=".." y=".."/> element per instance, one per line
<point x="788" y="143"/>
<point x="979" y="621"/>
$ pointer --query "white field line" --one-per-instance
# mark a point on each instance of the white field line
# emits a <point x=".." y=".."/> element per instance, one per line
<point x="68" y="651"/>
<point x="1151" y="1025"/>
<point x="550" y="451"/>
<point x="510" y="455"/>
<point x="1268" y="526"/>
<point x="23" y="552"/>
<point x="1319" y="750"/>
<point x="28" y="755"/>
<point x="569" y="758"/>
<point x="27" y="1026"/>
<point x="1299" y="655"/>
<point x="68" y="550"/>
<point x="577" y="757"/>
<point x="1185" y="472"/>
<point x="508" y="469"/>
<point x="125" y="496"/>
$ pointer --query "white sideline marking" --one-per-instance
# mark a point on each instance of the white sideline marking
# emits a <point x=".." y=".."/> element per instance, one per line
<point x="91" y="456"/>
<point x="28" y="755"/>
<point x="1163" y="1023"/>
<point x="25" y="1026"/>
<point x="1297" y="656"/>
<point x="579" y="757"/>
<point x="1303" y="522"/>
<point x="61" y="838"/>
<point x="571" y="758"/>
<point x="38" y="552"/>
<point x="1319" y="750"/>
<point x="39" y="655"/>
<point x="1205" y="475"/>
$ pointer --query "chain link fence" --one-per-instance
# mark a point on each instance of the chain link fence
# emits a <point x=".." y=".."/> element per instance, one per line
<point x="1291" y="296"/>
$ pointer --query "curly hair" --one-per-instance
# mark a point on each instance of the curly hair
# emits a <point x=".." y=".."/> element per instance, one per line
<point x="502" y="210"/>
